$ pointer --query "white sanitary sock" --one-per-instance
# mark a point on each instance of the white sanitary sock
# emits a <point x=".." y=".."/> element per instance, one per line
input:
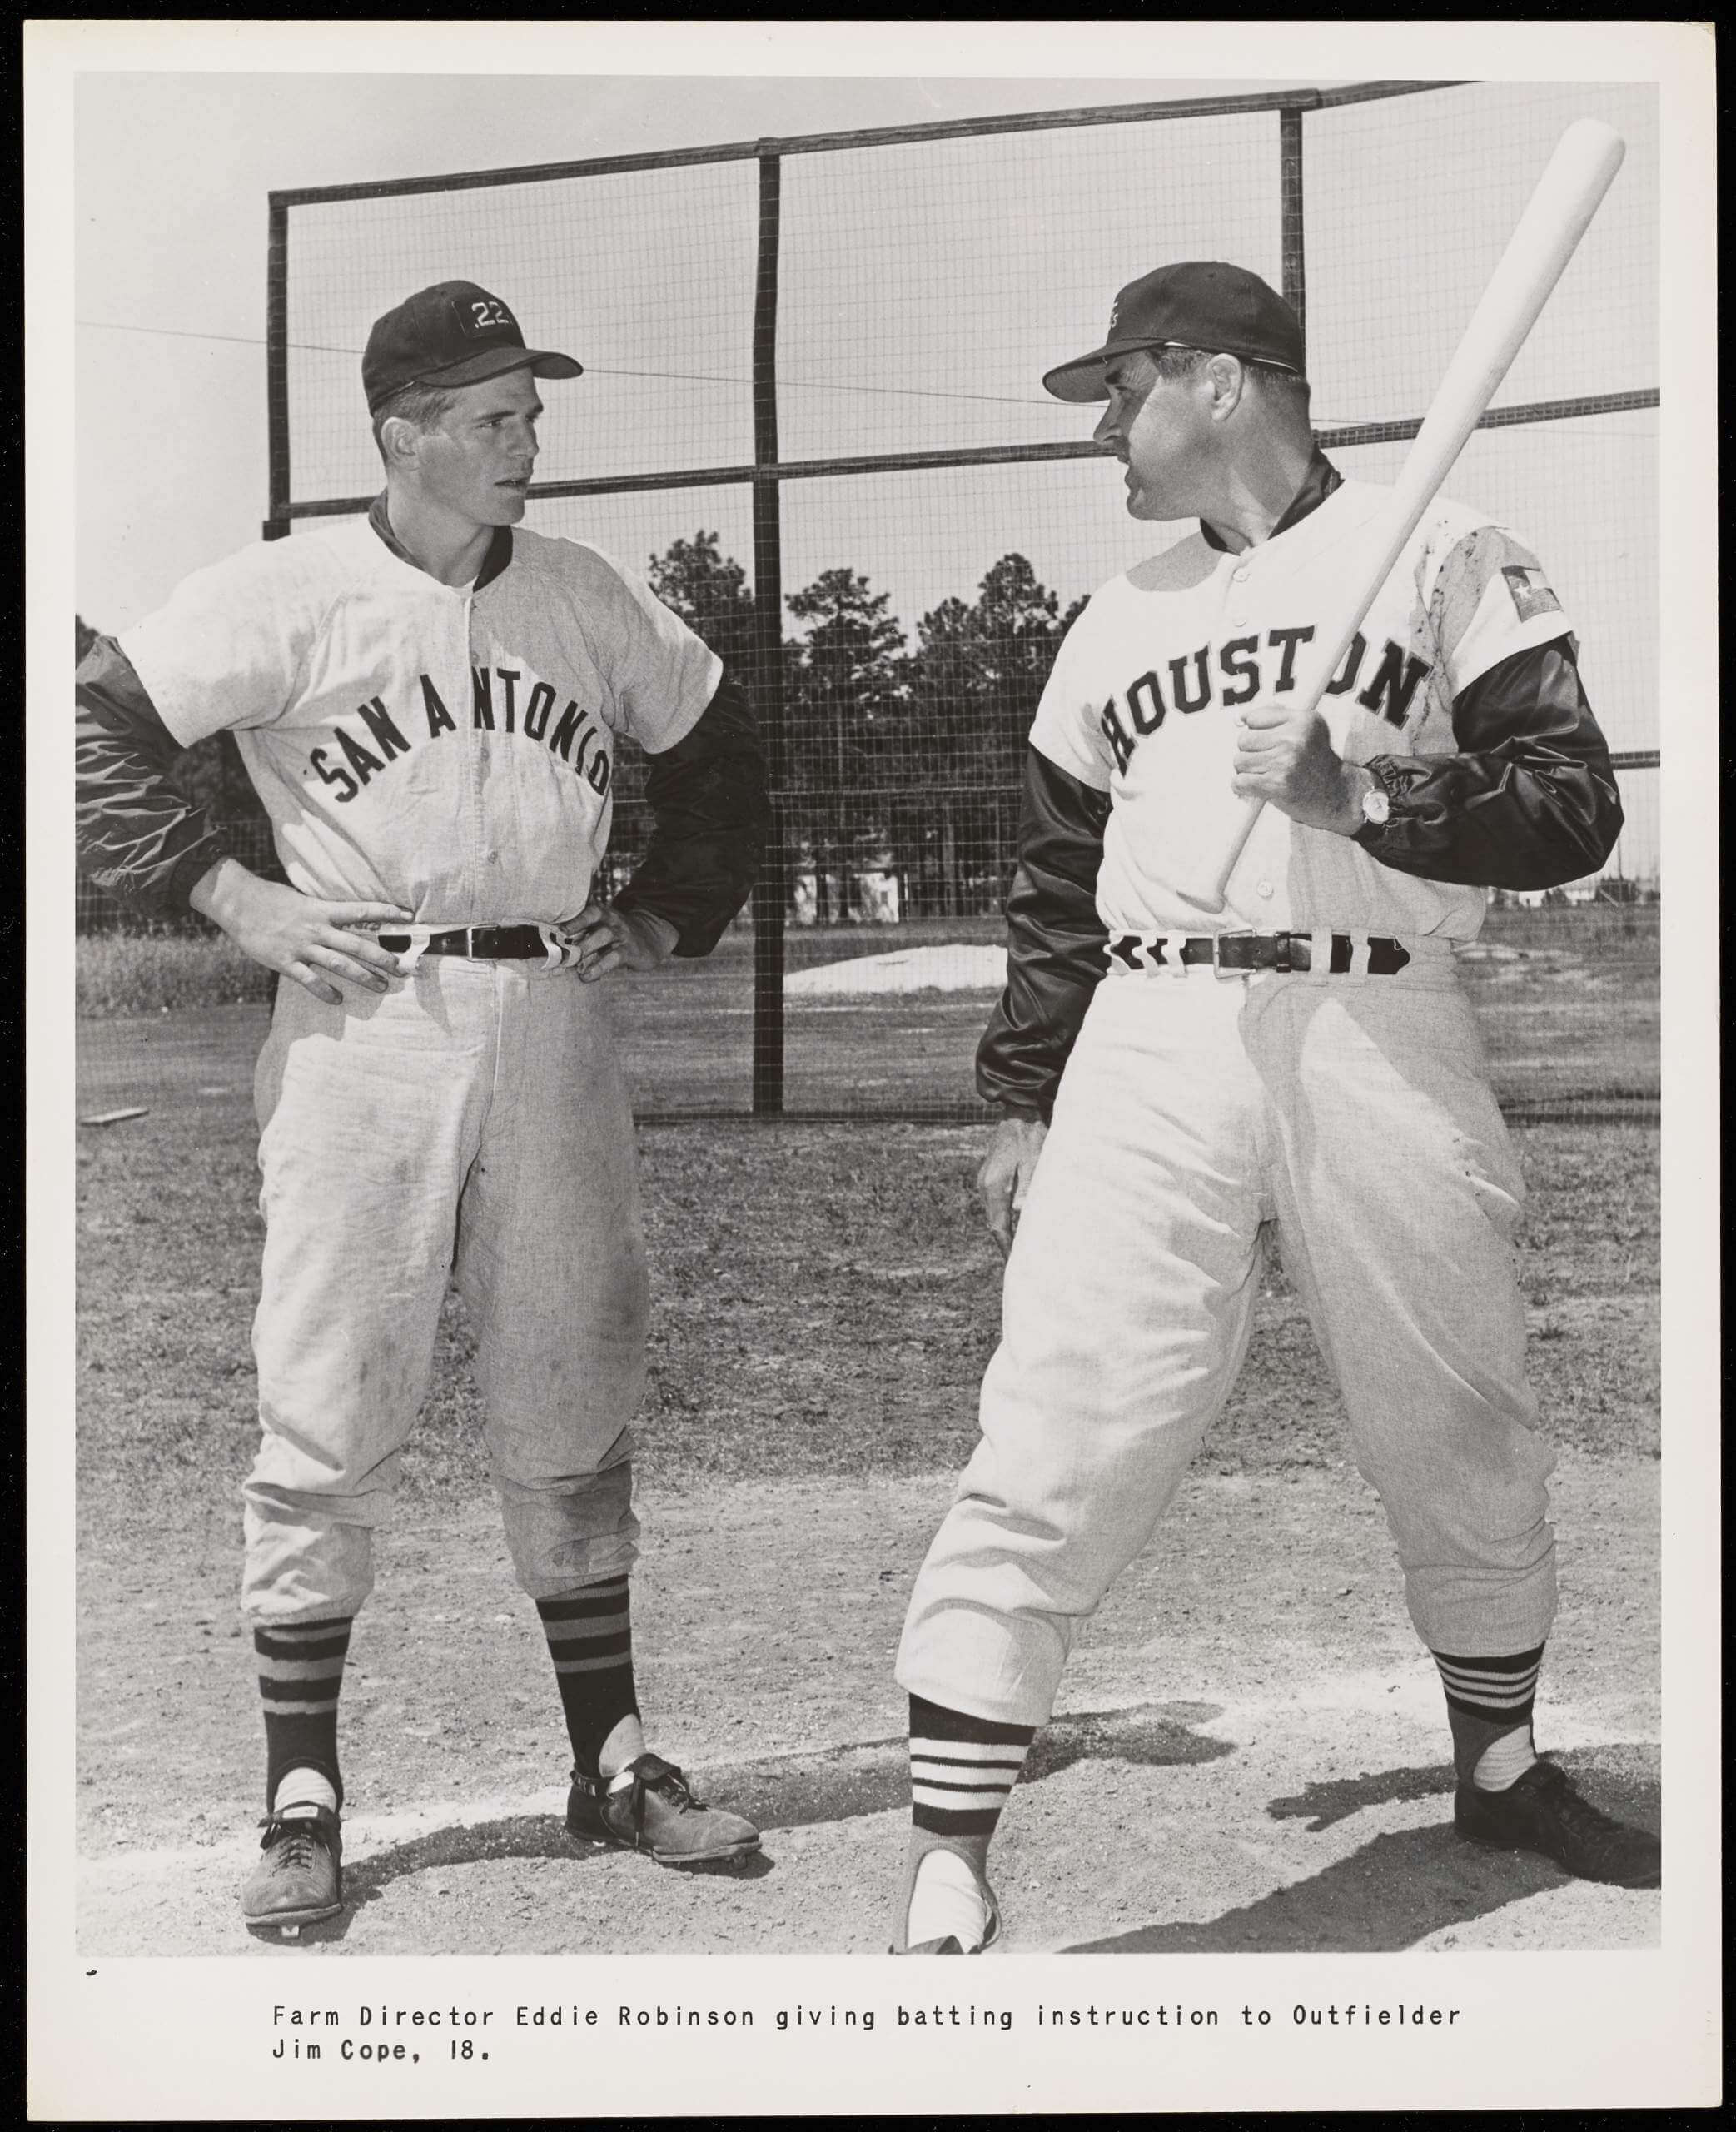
<point x="1504" y="1761"/>
<point x="304" y="1787"/>
<point x="947" y="1898"/>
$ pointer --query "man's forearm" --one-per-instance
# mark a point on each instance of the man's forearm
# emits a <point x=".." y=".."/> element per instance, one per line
<point x="218" y="893"/>
<point x="709" y="796"/>
<point x="1055" y="942"/>
<point x="1528" y="802"/>
<point x="139" y="835"/>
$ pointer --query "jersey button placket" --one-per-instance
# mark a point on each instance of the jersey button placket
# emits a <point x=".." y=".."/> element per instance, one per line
<point x="1237" y="598"/>
<point x="481" y="752"/>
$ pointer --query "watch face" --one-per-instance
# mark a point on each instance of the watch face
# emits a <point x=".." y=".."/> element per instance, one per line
<point x="1376" y="808"/>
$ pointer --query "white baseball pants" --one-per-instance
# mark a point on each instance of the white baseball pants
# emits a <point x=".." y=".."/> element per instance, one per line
<point x="470" y="1123"/>
<point x="1352" y="1114"/>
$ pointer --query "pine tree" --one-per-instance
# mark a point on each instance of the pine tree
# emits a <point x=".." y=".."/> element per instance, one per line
<point x="845" y="688"/>
<point x="975" y="683"/>
<point x="710" y="591"/>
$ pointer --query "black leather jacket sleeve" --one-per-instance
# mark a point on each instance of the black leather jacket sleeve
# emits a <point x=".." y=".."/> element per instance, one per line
<point x="1528" y="802"/>
<point x="712" y="809"/>
<point x="1056" y="943"/>
<point x="138" y="834"/>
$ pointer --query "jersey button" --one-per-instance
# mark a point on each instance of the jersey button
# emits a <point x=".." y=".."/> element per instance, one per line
<point x="1264" y="890"/>
<point x="494" y="859"/>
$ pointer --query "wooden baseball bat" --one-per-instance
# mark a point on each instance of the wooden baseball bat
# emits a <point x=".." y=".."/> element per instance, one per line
<point x="1578" y="175"/>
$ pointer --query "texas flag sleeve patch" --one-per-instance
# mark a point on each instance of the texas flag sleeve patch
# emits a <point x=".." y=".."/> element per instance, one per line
<point x="1532" y="595"/>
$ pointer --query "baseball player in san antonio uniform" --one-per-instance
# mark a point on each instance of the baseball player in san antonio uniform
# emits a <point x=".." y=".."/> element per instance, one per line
<point x="1303" y="1062"/>
<point x="429" y="703"/>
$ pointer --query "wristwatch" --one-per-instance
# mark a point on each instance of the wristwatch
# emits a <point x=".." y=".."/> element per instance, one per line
<point x="1376" y="807"/>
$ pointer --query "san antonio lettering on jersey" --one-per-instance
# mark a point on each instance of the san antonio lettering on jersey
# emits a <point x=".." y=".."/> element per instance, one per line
<point x="570" y="736"/>
<point x="448" y="749"/>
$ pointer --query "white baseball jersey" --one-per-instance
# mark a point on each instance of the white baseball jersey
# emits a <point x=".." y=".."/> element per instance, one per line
<point x="446" y="749"/>
<point x="1142" y="700"/>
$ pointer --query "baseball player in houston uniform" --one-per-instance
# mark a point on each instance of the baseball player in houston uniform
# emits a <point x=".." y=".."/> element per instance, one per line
<point x="1303" y="1062"/>
<point x="429" y="703"/>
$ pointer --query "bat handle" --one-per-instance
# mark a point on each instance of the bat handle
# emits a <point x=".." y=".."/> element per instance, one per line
<point x="1212" y="897"/>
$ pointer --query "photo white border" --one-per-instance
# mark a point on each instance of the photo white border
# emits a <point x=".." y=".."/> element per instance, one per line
<point x="144" y="2040"/>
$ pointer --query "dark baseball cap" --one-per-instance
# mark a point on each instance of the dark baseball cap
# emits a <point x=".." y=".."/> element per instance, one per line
<point x="1197" y="303"/>
<point x="453" y="334"/>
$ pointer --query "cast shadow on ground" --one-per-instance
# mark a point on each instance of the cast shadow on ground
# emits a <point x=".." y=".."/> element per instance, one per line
<point x="793" y="1792"/>
<point x="1336" y="1800"/>
<point x="518" y="1835"/>
<point x="1398" y="1888"/>
<point x="788" y="1791"/>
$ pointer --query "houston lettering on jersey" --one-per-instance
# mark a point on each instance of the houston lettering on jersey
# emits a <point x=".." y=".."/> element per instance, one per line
<point x="1143" y="701"/>
<point x="350" y="759"/>
<point x="1227" y="675"/>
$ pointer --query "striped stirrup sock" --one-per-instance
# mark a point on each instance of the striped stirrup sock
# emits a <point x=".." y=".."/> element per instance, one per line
<point x="962" y="1770"/>
<point x="300" y="1672"/>
<point x="591" y="1641"/>
<point x="1489" y="1700"/>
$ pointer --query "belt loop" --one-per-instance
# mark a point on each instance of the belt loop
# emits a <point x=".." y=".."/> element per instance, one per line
<point x="1174" y="961"/>
<point x="555" y="949"/>
<point x="420" y="936"/>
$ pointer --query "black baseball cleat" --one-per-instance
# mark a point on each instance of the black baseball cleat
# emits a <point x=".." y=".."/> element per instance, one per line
<point x="648" y="1807"/>
<point x="1542" y="1812"/>
<point x="299" y="1877"/>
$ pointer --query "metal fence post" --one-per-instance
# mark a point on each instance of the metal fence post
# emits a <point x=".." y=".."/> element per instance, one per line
<point x="1293" y="267"/>
<point x="278" y="447"/>
<point x="769" y="889"/>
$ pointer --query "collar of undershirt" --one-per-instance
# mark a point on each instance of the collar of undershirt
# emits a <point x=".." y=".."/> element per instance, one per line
<point x="1318" y="483"/>
<point x="499" y="549"/>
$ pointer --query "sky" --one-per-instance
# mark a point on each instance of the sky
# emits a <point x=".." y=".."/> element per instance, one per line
<point x="923" y="290"/>
<point x="171" y="174"/>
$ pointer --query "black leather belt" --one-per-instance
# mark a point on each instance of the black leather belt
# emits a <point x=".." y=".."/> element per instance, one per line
<point x="1249" y="951"/>
<point x="496" y="943"/>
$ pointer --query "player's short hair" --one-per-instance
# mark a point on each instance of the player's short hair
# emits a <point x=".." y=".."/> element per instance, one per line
<point x="1282" y="388"/>
<point x="421" y="406"/>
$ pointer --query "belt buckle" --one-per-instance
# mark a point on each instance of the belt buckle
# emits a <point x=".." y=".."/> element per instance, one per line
<point x="1235" y="933"/>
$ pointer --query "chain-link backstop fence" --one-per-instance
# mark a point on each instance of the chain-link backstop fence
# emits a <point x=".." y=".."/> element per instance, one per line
<point x="810" y="414"/>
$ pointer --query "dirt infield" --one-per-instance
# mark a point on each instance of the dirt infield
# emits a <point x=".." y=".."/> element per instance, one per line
<point x="1249" y="1756"/>
<point x="1250" y="1750"/>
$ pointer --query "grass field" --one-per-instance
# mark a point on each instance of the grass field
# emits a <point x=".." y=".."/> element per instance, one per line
<point x="1568" y="1001"/>
<point x="825" y="1301"/>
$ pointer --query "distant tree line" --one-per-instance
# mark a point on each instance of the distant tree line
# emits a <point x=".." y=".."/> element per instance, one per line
<point x="896" y="757"/>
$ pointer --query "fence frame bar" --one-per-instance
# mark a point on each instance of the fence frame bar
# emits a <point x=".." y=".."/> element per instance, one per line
<point x="279" y="511"/>
<point x="1292" y="270"/>
<point x="769" y="886"/>
<point x="766" y="473"/>
<point x="871" y="136"/>
<point x="991" y="454"/>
